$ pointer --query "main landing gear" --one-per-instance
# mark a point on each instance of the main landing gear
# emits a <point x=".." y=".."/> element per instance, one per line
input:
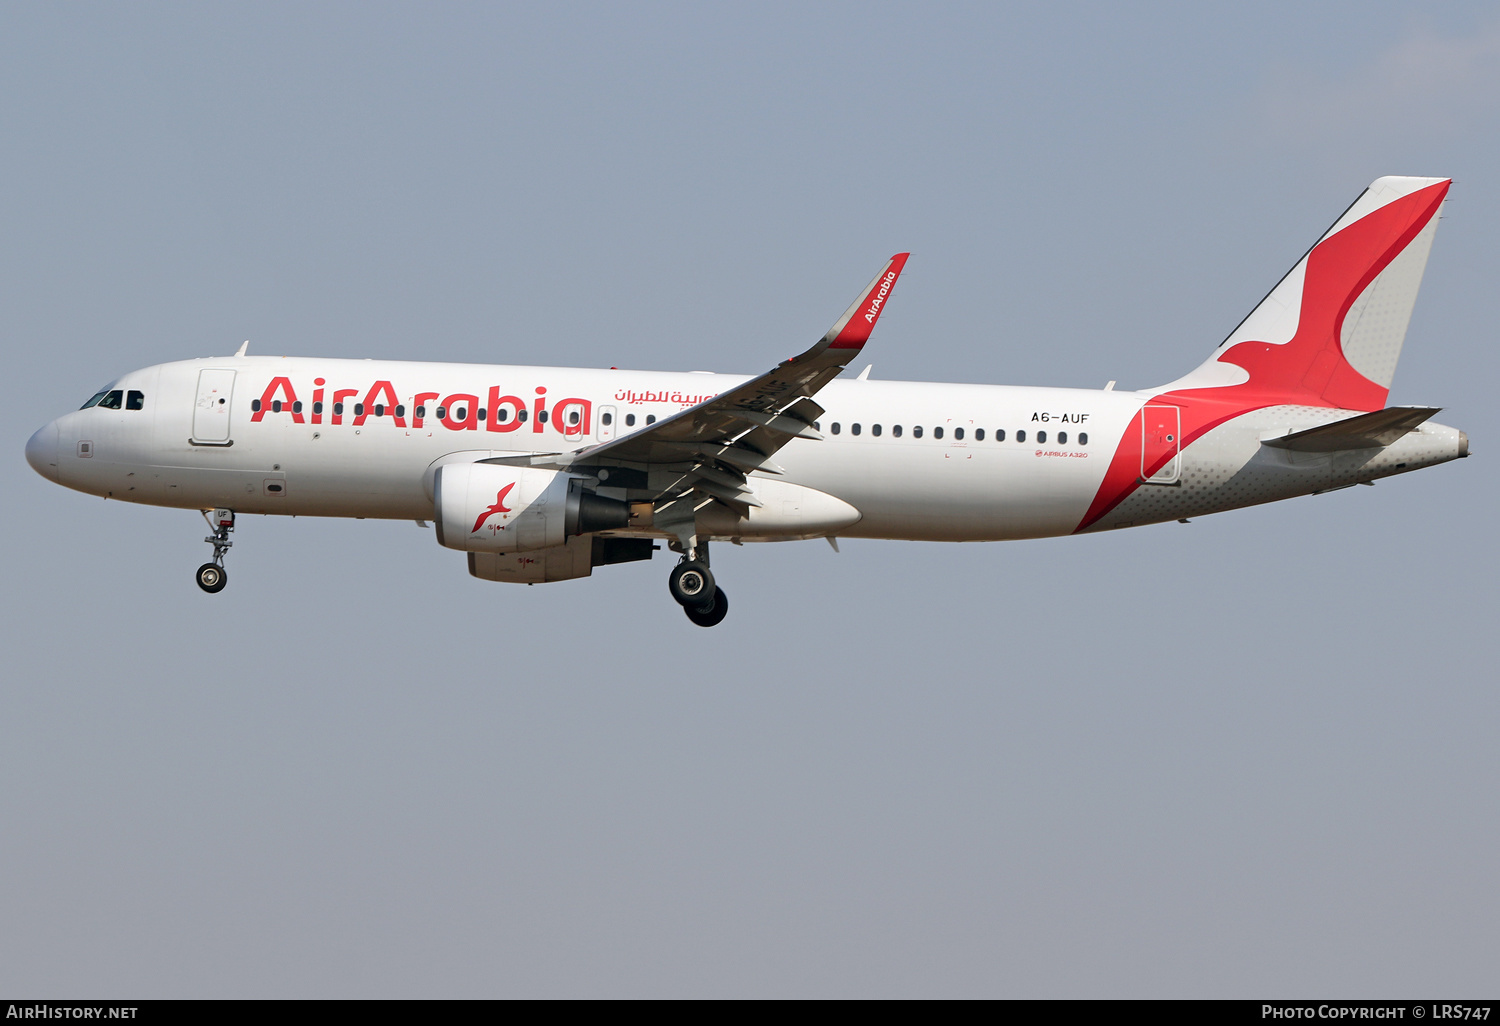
<point x="692" y="585"/>
<point x="211" y="576"/>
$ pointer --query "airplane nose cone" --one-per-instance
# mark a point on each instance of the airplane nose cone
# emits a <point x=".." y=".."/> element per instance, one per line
<point x="41" y="452"/>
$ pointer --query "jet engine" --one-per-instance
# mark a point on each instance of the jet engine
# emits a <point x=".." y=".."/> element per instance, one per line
<point x="487" y="507"/>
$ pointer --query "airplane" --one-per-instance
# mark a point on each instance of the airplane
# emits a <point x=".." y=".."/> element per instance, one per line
<point x="541" y="474"/>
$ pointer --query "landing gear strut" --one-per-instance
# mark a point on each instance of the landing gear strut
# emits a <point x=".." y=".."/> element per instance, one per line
<point x="691" y="581"/>
<point x="211" y="576"/>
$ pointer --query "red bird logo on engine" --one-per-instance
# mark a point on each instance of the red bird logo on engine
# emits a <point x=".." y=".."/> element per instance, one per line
<point x="498" y="507"/>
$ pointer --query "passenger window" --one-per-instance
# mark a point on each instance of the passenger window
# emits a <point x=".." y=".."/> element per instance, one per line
<point x="276" y="406"/>
<point x="572" y="417"/>
<point x="112" y="400"/>
<point x="1083" y="438"/>
<point x="836" y="427"/>
<point x="520" y="415"/>
<point x="318" y="408"/>
<point x="135" y="400"/>
<point x="501" y="415"/>
<point x="937" y="432"/>
<point x="1062" y="438"/>
<point x="1021" y="435"/>
<point x="94" y="399"/>
<point x="338" y="408"/>
<point x="916" y="432"/>
<point x="359" y="408"/>
<point x="380" y="409"/>
<point x="875" y="430"/>
<point x="481" y="413"/>
<point x="460" y="413"/>
<point x="896" y="430"/>
<point x="401" y="411"/>
<point x="958" y="433"/>
<point x="999" y="434"/>
<point x="854" y="429"/>
<point x="630" y="420"/>
<point x="604" y="418"/>
<point x="979" y="434"/>
<point x="1041" y="438"/>
<point x="650" y="418"/>
<point x="442" y="411"/>
<point x="297" y="406"/>
<point x="817" y="426"/>
<point x="541" y="416"/>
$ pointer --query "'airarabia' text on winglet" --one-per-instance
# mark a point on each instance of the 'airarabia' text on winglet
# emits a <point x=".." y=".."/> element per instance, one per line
<point x="885" y="288"/>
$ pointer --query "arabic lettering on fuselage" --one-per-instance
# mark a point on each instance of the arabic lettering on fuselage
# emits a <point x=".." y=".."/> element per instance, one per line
<point x="680" y="398"/>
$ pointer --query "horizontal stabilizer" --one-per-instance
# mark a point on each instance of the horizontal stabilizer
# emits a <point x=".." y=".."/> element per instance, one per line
<point x="1367" y="431"/>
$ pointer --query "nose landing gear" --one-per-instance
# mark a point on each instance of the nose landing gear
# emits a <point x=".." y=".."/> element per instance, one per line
<point x="211" y="576"/>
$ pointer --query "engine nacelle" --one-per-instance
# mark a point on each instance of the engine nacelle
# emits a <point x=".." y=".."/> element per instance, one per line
<point x="577" y="558"/>
<point x="487" y="507"/>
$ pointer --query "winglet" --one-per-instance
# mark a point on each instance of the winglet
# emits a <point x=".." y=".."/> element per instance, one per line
<point x="852" y="330"/>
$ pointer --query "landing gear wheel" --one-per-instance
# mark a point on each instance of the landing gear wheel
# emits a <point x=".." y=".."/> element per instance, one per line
<point x="709" y="616"/>
<point x="691" y="583"/>
<point x="212" y="578"/>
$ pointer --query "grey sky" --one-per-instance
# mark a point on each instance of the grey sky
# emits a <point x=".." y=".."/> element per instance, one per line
<point x="1250" y="756"/>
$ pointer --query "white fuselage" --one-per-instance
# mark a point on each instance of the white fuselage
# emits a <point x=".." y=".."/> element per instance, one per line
<point x="921" y="461"/>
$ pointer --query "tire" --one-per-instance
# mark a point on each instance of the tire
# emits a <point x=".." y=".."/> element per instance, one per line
<point x="709" y="616"/>
<point x="212" y="578"/>
<point x="691" y="583"/>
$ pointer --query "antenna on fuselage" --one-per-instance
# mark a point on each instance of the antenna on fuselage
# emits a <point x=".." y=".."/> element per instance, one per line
<point x="243" y="346"/>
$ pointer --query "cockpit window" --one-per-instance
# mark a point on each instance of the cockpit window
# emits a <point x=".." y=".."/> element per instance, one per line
<point x="94" y="400"/>
<point x="135" y="400"/>
<point x="112" y="399"/>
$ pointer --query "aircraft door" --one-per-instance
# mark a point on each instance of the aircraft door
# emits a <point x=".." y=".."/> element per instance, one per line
<point x="211" y="411"/>
<point x="606" y="426"/>
<point x="1161" y="444"/>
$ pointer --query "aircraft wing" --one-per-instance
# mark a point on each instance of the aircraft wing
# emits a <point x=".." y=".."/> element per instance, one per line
<point x="710" y="447"/>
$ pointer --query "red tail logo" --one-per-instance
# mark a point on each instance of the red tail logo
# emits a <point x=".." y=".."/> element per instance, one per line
<point x="498" y="507"/>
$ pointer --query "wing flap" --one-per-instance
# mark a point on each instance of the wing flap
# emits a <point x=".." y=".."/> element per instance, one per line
<point x="782" y="423"/>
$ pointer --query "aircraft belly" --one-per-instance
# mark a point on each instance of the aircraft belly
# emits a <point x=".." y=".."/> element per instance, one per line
<point x="300" y="487"/>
